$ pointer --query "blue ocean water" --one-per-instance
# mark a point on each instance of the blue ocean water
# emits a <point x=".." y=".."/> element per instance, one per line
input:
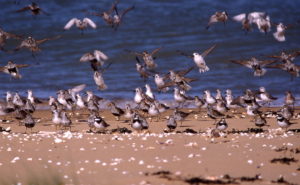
<point x="172" y="25"/>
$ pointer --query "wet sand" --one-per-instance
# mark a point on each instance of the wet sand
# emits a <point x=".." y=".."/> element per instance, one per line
<point x="240" y="155"/>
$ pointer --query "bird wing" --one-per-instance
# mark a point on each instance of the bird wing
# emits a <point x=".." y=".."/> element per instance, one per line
<point x="278" y="66"/>
<point x="267" y="62"/>
<point x="46" y="39"/>
<point x="184" y="54"/>
<point x="185" y="71"/>
<point x="78" y="88"/>
<point x="254" y="16"/>
<point x="212" y="19"/>
<point x="239" y="17"/>
<point x="155" y="51"/>
<point x="22" y="65"/>
<point x="133" y="52"/>
<point x="113" y="7"/>
<point x="70" y="23"/>
<point x="11" y="35"/>
<point x="206" y="52"/>
<point x="90" y="22"/>
<point x="100" y="55"/>
<point x="23" y="9"/>
<point x="245" y="63"/>
<point x="126" y="11"/>
<point x="2" y="69"/>
<point x="86" y="57"/>
<point x="295" y="54"/>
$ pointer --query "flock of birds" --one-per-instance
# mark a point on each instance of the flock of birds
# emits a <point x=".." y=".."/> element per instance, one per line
<point x="147" y="105"/>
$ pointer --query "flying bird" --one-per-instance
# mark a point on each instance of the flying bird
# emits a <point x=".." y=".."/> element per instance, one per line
<point x="80" y="24"/>
<point x="34" y="8"/>
<point x="13" y="69"/>
<point x="217" y="17"/>
<point x="95" y="58"/>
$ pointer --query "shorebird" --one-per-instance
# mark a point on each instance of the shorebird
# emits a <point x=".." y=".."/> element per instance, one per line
<point x="147" y="57"/>
<point x="171" y="123"/>
<point x="259" y="120"/>
<point x="219" y="95"/>
<point x="180" y="115"/>
<point x="31" y="98"/>
<point x="56" y="118"/>
<point x="255" y="64"/>
<point x="100" y="124"/>
<point x="286" y="57"/>
<point x="153" y="111"/>
<point x="98" y="78"/>
<point x="221" y="107"/>
<point x="217" y="17"/>
<point x="178" y="78"/>
<point x="32" y="44"/>
<point x="149" y="92"/>
<point x="252" y="110"/>
<point x="199" y="58"/>
<point x="279" y="34"/>
<point x="221" y="125"/>
<point x="29" y="122"/>
<point x="289" y="99"/>
<point x="116" y="111"/>
<point x="161" y="106"/>
<point x="64" y="98"/>
<point x="128" y="113"/>
<point x="80" y="24"/>
<point x="29" y="107"/>
<point x="107" y="15"/>
<point x="91" y="120"/>
<point x="264" y="96"/>
<point x="80" y="103"/>
<point x="13" y="69"/>
<point x="289" y="67"/>
<point x="229" y="99"/>
<point x="6" y="35"/>
<point x="96" y="58"/>
<point x="139" y="123"/>
<point x="283" y="122"/>
<point x="140" y="68"/>
<point x="199" y="103"/>
<point x="247" y="19"/>
<point x="92" y="96"/>
<point x="160" y="83"/>
<point x="180" y="97"/>
<point x="263" y="24"/>
<point x="213" y="113"/>
<point x="138" y="97"/>
<point x="208" y="98"/>
<point x="287" y="112"/>
<point x="92" y="106"/>
<point x="18" y="101"/>
<point x="117" y="18"/>
<point x="65" y="120"/>
<point x="34" y="8"/>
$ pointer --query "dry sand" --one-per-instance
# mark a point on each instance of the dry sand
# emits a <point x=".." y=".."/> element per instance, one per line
<point x="78" y="157"/>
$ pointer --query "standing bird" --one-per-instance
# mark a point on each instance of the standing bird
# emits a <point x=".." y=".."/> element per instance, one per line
<point x="80" y="24"/>
<point x="56" y="118"/>
<point x="96" y="58"/>
<point x="139" y="123"/>
<point x="13" y="69"/>
<point x="32" y="44"/>
<point x="289" y="99"/>
<point x="171" y="123"/>
<point x="100" y="124"/>
<point x="259" y="120"/>
<point x="283" y="122"/>
<point x="254" y="64"/>
<point x="34" y="8"/>
<point x="217" y="17"/>
<point x="221" y="125"/>
<point x="287" y="112"/>
<point x="180" y="115"/>
<point x="29" y="122"/>
<point x="65" y="120"/>
<point x="98" y="78"/>
<point x="116" y="111"/>
<point x="180" y="97"/>
<point x="264" y="96"/>
<point x="199" y="58"/>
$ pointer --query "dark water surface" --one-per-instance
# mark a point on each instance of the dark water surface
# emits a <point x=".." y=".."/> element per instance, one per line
<point x="173" y="25"/>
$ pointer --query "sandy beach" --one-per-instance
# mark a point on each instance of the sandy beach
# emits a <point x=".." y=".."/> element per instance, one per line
<point x="242" y="154"/>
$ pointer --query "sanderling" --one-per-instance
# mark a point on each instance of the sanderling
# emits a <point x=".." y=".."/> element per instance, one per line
<point x="96" y="58"/>
<point x="116" y="111"/>
<point x="80" y="24"/>
<point x="217" y="17"/>
<point x="34" y="8"/>
<point x="255" y="64"/>
<point x="12" y="69"/>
